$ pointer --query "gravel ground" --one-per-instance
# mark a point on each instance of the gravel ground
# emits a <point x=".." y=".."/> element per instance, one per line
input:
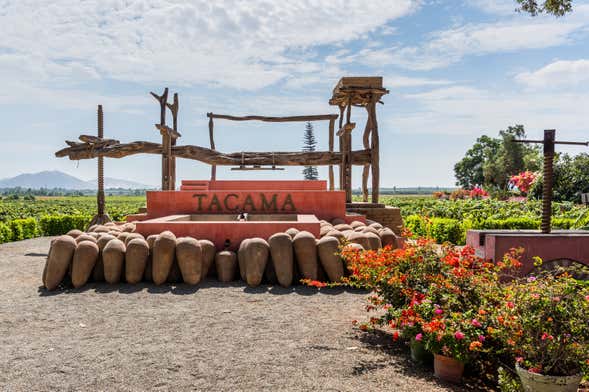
<point x="219" y="337"/>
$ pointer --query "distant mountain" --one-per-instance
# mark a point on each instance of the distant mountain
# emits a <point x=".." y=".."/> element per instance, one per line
<point x="57" y="179"/>
<point x="118" y="183"/>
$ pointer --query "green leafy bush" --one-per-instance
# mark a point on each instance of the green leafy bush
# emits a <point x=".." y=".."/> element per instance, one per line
<point x="22" y="229"/>
<point x="61" y="224"/>
<point x="447" y="230"/>
<point x="510" y="224"/>
<point x="5" y="233"/>
<point x="440" y="229"/>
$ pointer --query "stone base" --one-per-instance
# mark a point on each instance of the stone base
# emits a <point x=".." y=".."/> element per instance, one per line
<point x="385" y="215"/>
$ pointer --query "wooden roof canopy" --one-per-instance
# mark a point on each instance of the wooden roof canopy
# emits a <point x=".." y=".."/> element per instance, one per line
<point x="361" y="90"/>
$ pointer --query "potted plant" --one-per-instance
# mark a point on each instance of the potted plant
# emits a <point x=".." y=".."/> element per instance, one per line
<point x="545" y="324"/>
<point x="454" y="339"/>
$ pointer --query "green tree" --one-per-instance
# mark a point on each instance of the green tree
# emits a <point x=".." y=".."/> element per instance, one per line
<point x="571" y="178"/>
<point x="554" y="7"/>
<point x="309" y="143"/>
<point x="469" y="171"/>
<point x="492" y="161"/>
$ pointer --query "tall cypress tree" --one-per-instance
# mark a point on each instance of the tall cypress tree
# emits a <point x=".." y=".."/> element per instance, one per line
<point x="309" y="143"/>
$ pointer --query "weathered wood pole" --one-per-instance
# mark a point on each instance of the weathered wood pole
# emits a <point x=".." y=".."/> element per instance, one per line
<point x="331" y="137"/>
<point x="341" y="148"/>
<point x="166" y="140"/>
<point x="366" y="142"/>
<point x="212" y="141"/>
<point x="174" y="107"/>
<point x="374" y="147"/>
<point x="347" y="156"/>
<point x="549" y="138"/>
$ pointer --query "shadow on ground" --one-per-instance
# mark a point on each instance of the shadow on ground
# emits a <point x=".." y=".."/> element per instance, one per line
<point x="400" y="358"/>
<point x="185" y="289"/>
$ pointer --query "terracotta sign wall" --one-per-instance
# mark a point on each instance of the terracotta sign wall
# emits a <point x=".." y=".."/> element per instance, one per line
<point x="254" y="197"/>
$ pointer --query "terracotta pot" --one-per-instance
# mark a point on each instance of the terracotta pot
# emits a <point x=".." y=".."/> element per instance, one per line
<point x="534" y="382"/>
<point x="419" y="354"/>
<point x="448" y="369"/>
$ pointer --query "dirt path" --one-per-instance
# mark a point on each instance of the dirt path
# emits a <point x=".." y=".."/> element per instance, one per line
<point x="212" y="337"/>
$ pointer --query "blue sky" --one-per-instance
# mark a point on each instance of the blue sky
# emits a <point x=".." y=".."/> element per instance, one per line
<point x="455" y="70"/>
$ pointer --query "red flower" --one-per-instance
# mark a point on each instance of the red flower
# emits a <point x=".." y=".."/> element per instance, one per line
<point x="316" y="283"/>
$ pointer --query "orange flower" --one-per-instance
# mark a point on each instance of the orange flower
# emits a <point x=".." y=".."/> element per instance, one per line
<point x="475" y="346"/>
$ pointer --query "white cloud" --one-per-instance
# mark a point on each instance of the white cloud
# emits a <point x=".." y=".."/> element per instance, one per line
<point x="465" y="110"/>
<point x="446" y="47"/>
<point x="399" y="81"/>
<point x="494" y="6"/>
<point x="559" y="74"/>
<point x="230" y="43"/>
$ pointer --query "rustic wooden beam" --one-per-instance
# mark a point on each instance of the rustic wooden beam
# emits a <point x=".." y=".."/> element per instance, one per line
<point x="346" y="129"/>
<point x="347" y="155"/>
<point x="97" y="140"/>
<point x="166" y="139"/>
<point x="318" y="117"/>
<point x="167" y="131"/>
<point x="331" y="137"/>
<point x="174" y="107"/>
<point x="366" y="168"/>
<point x="212" y="142"/>
<point x="374" y="152"/>
<point x="341" y="148"/>
<point x="212" y="157"/>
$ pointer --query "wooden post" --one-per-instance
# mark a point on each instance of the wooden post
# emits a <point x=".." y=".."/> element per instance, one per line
<point x="341" y="148"/>
<point x="101" y="217"/>
<point x="172" y="159"/>
<point x="100" y="195"/>
<point x="212" y="141"/>
<point x="366" y="143"/>
<point x="374" y="152"/>
<point x="549" y="138"/>
<point x="331" y="131"/>
<point x="166" y="140"/>
<point x="348" y="155"/>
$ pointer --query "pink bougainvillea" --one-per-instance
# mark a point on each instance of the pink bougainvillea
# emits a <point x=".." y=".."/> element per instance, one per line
<point x="524" y="181"/>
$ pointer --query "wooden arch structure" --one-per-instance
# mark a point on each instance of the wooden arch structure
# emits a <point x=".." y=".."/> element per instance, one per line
<point x="362" y="92"/>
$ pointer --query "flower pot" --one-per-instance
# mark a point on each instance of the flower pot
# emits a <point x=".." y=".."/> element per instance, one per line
<point x="448" y="369"/>
<point x="419" y="354"/>
<point x="534" y="382"/>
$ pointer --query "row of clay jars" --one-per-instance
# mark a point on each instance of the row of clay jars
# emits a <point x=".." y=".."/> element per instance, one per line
<point x="282" y="250"/>
<point x="158" y="258"/>
<point x="372" y="236"/>
<point x="161" y="258"/>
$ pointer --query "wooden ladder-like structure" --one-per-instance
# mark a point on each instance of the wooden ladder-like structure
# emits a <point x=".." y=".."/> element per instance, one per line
<point x="363" y="92"/>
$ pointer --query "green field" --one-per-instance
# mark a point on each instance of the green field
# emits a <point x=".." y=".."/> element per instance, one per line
<point x="444" y="220"/>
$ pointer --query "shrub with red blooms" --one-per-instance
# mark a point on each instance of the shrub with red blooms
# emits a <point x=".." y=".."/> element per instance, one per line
<point x="478" y="193"/>
<point x="439" y="295"/>
<point x="545" y="322"/>
<point x="523" y="181"/>
<point x="459" y="305"/>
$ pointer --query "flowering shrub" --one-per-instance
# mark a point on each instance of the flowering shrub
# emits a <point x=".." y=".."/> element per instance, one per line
<point x="523" y="181"/>
<point x="457" y="304"/>
<point x="478" y="193"/>
<point x="459" y="194"/>
<point x="545" y="321"/>
<point x="439" y="295"/>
